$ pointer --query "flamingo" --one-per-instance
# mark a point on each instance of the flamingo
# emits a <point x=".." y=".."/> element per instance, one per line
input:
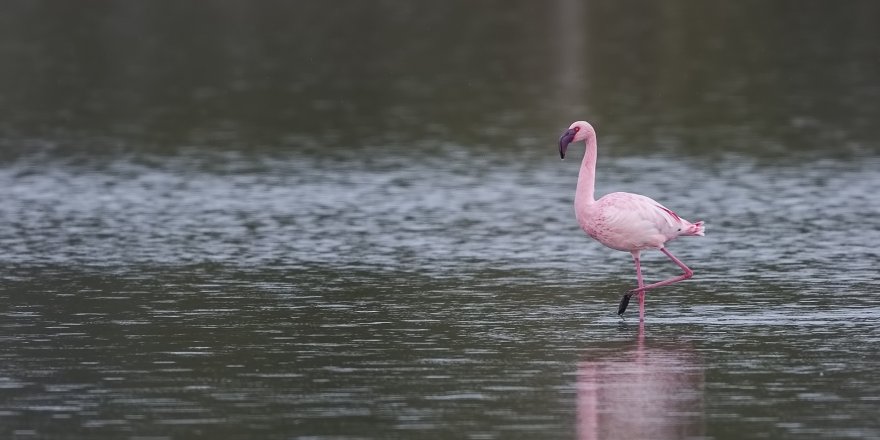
<point x="625" y="221"/>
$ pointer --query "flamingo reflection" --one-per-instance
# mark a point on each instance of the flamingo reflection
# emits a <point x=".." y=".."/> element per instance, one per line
<point x="641" y="392"/>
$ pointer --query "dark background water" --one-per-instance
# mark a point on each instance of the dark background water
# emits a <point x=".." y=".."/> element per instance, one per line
<point x="348" y="219"/>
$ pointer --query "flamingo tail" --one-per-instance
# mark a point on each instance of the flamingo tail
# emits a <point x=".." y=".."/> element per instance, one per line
<point x="697" y="228"/>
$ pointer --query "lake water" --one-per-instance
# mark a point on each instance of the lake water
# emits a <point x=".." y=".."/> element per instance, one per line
<point x="350" y="220"/>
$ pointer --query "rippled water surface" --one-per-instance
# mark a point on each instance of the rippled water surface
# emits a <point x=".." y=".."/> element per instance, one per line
<point x="373" y="237"/>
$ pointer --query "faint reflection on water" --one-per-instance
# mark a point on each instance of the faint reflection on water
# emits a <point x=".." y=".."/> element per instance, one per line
<point x="641" y="391"/>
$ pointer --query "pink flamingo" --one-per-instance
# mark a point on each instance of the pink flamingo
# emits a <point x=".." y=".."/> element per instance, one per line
<point x="624" y="221"/>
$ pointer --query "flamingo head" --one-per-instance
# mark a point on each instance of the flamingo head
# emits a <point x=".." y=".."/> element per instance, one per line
<point x="578" y="131"/>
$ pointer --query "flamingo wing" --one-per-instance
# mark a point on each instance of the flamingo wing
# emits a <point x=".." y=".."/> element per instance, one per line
<point x="629" y="222"/>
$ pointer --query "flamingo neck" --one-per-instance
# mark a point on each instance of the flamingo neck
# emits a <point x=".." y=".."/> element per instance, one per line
<point x="587" y="176"/>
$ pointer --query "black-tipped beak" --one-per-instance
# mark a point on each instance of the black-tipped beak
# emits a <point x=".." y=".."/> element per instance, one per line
<point x="566" y="139"/>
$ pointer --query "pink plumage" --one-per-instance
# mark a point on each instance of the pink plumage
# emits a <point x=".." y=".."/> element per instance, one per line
<point x="624" y="221"/>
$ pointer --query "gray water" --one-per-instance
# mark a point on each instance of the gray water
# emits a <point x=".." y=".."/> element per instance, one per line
<point x="350" y="221"/>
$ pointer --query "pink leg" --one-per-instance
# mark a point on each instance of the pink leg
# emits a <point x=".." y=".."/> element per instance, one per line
<point x="687" y="274"/>
<point x="625" y="300"/>
<point x="638" y="262"/>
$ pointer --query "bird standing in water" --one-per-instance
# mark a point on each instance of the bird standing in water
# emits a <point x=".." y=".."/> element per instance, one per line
<point x="624" y="221"/>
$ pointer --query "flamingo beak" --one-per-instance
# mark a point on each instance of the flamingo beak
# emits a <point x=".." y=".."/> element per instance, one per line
<point x="566" y="139"/>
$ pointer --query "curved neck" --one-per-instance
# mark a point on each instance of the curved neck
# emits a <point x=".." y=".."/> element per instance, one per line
<point x="587" y="175"/>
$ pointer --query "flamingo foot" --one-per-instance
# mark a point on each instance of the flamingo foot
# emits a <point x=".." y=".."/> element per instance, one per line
<point x="623" y="303"/>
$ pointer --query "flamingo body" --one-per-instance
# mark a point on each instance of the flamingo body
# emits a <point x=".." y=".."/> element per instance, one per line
<point x="632" y="222"/>
<point x="625" y="221"/>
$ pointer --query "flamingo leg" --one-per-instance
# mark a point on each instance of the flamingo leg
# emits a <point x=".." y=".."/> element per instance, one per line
<point x="641" y="282"/>
<point x="625" y="300"/>
<point x="687" y="274"/>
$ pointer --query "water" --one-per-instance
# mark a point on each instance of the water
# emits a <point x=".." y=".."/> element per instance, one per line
<point x="351" y="221"/>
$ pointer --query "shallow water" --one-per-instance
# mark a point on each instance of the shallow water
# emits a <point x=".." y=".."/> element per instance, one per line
<point x="206" y="255"/>
<point x="444" y="297"/>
